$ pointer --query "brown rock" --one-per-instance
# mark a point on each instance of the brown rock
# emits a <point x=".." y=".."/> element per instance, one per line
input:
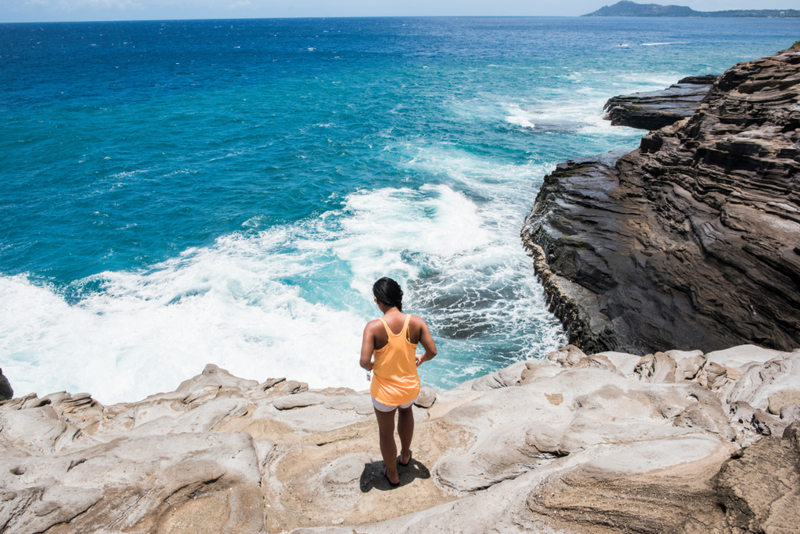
<point x="760" y="487"/>
<point x="785" y="397"/>
<point x="655" y="109"/>
<point x="690" y="241"/>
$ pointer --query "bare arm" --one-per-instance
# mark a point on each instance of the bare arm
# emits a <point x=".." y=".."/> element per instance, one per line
<point x="367" y="347"/>
<point x="426" y="340"/>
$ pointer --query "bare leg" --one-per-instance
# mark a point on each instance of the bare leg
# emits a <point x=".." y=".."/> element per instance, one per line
<point x="388" y="446"/>
<point x="405" y="427"/>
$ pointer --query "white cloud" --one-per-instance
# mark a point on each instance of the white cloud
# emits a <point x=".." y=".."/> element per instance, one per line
<point x="241" y="3"/>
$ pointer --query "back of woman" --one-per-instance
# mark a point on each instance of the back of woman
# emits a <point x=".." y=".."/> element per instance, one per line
<point x="389" y="349"/>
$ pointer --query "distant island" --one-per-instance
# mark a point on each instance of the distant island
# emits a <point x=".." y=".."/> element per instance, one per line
<point x="632" y="9"/>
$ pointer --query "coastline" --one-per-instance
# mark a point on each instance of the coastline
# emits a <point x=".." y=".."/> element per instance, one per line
<point x="586" y="440"/>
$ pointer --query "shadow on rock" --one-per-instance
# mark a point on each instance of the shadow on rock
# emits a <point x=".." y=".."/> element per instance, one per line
<point x="373" y="478"/>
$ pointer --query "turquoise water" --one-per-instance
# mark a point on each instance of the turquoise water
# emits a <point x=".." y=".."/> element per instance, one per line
<point x="190" y="192"/>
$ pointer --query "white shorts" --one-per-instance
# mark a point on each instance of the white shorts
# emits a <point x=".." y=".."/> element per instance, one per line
<point x="383" y="408"/>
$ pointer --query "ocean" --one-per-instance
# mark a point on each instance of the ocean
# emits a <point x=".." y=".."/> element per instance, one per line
<point x="180" y="193"/>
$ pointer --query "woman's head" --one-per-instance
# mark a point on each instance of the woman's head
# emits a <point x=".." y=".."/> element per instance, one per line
<point x="388" y="292"/>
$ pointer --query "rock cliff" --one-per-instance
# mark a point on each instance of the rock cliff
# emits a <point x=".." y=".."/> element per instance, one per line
<point x="604" y="443"/>
<point x="691" y="241"/>
<point x="655" y="109"/>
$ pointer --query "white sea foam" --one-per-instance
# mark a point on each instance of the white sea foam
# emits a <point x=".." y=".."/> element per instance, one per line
<point x="519" y="117"/>
<point x="253" y="303"/>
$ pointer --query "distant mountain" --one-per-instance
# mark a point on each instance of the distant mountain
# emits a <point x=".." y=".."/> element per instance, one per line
<point x="632" y="9"/>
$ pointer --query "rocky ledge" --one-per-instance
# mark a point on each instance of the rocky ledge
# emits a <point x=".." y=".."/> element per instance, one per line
<point x="655" y="109"/>
<point x="605" y="443"/>
<point x="691" y="241"/>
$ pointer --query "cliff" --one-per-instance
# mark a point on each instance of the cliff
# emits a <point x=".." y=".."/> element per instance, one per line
<point x="611" y="442"/>
<point x="691" y="241"/>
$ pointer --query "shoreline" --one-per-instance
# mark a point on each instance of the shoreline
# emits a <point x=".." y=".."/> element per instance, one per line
<point x="598" y="440"/>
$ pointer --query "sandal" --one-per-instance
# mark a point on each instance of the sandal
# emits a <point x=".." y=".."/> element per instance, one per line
<point x="410" y="456"/>
<point x="385" y="472"/>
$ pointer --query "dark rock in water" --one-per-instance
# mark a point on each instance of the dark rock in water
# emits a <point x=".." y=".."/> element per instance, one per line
<point x="5" y="388"/>
<point x="691" y="241"/>
<point x="656" y="109"/>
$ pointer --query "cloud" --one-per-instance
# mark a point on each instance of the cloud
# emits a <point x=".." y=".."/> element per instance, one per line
<point x="240" y="3"/>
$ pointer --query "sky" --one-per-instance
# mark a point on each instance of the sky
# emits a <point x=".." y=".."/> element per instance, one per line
<point x="82" y="10"/>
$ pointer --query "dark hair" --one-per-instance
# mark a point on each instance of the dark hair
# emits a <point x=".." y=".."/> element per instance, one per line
<point x="388" y="292"/>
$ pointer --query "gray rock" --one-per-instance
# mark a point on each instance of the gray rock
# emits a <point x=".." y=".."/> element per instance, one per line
<point x="299" y="400"/>
<point x="566" y="356"/>
<point x="790" y="414"/>
<point x="767" y="424"/>
<point x="656" y="368"/>
<point x="426" y="398"/>
<point x="596" y="361"/>
<point x="6" y="392"/>
<point x="212" y="375"/>
<point x="292" y="387"/>
<point x="174" y="483"/>
<point x="270" y="383"/>
<point x="506" y="377"/>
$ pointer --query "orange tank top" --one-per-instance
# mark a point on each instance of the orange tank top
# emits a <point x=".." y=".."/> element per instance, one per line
<point x="395" y="380"/>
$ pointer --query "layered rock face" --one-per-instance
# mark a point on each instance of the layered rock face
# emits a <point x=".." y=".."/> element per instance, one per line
<point x="6" y="392"/>
<point x="655" y="109"/>
<point x="609" y="442"/>
<point x="691" y="241"/>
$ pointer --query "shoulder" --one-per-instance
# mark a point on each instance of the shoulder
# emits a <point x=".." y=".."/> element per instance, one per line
<point x="374" y="324"/>
<point x="417" y="321"/>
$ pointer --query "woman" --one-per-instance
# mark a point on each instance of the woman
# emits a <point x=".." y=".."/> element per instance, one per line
<point x="395" y="382"/>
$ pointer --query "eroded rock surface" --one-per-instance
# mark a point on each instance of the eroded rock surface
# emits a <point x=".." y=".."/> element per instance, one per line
<point x="652" y="110"/>
<point x="606" y="442"/>
<point x="691" y="241"/>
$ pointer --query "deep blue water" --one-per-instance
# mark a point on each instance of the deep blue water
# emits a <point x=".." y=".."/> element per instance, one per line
<point x="184" y="192"/>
